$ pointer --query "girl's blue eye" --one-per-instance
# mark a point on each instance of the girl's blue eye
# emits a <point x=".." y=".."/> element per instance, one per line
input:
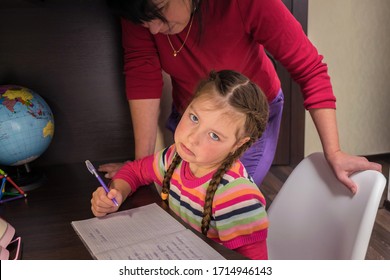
<point x="214" y="136"/>
<point x="194" y="118"/>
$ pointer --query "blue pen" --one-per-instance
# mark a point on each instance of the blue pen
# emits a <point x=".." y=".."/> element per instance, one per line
<point x="92" y="169"/>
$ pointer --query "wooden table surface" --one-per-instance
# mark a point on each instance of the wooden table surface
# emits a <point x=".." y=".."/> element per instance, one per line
<point x="43" y="219"/>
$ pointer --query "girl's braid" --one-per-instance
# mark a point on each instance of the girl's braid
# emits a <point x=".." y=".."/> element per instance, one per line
<point x="212" y="188"/>
<point x="168" y="175"/>
<point x="214" y="183"/>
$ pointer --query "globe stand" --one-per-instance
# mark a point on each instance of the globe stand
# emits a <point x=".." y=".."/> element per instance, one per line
<point x="26" y="178"/>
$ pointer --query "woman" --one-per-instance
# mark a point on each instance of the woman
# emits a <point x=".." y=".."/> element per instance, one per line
<point x="188" y="38"/>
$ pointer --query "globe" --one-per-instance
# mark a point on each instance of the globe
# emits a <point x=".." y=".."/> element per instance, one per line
<point x="26" y="125"/>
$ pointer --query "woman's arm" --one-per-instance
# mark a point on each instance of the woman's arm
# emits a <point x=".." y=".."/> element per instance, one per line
<point x="343" y="164"/>
<point x="144" y="115"/>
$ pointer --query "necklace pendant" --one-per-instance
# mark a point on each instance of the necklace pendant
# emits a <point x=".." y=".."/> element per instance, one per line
<point x="176" y="52"/>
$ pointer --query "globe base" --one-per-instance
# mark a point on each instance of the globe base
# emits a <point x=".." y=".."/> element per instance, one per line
<point x="26" y="178"/>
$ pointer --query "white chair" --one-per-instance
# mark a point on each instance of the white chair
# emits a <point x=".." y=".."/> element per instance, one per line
<point x="314" y="216"/>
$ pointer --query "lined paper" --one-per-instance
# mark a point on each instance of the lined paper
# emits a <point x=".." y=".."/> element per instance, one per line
<point x="143" y="233"/>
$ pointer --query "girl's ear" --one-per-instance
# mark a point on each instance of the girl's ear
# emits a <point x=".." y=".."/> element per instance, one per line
<point x="241" y="142"/>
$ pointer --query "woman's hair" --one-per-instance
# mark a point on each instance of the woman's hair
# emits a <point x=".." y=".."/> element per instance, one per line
<point x="232" y="90"/>
<point x="139" y="11"/>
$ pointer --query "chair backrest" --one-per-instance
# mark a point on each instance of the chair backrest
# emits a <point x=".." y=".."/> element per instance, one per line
<point x="388" y="188"/>
<point x="314" y="216"/>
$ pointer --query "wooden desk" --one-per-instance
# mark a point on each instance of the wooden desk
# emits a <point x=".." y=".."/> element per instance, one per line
<point x="43" y="218"/>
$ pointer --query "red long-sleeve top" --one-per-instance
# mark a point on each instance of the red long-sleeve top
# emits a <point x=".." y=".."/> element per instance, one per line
<point x="234" y="36"/>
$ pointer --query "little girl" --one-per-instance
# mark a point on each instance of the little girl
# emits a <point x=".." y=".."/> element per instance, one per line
<point x="201" y="174"/>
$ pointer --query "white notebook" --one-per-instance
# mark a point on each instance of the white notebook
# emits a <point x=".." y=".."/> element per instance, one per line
<point x="144" y="233"/>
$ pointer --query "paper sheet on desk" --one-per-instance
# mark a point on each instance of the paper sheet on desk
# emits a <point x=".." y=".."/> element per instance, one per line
<point x="143" y="233"/>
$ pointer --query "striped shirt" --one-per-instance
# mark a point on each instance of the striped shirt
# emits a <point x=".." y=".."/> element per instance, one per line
<point x="238" y="209"/>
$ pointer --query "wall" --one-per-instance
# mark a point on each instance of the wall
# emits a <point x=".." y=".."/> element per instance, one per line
<point x="69" y="52"/>
<point x="353" y="36"/>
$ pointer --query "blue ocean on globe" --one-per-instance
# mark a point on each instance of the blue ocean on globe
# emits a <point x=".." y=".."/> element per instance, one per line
<point x="26" y="125"/>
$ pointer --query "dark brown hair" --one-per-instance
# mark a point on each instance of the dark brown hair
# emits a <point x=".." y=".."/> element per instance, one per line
<point x="139" y="11"/>
<point x="228" y="88"/>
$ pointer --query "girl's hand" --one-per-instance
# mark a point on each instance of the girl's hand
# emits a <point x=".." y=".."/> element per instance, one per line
<point x="101" y="202"/>
<point x="344" y="165"/>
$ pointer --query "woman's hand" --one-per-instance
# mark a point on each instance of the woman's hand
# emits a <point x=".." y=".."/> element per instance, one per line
<point x="110" y="168"/>
<point x="344" y="165"/>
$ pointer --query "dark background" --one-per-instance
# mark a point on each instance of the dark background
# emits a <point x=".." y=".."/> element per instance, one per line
<point x="69" y="52"/>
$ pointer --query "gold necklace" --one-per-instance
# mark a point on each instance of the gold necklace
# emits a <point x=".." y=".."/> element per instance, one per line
<point x="176" y="52"/>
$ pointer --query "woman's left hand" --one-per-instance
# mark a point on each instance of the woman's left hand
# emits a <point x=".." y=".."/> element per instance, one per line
<point x="344" y="165"/>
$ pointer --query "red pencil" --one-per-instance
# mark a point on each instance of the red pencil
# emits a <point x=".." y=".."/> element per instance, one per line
<point x="16" y="186"/>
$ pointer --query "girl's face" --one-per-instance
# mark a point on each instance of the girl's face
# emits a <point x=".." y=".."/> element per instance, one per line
<point x="204" y="137"/>
<point x="176" y="12"/>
